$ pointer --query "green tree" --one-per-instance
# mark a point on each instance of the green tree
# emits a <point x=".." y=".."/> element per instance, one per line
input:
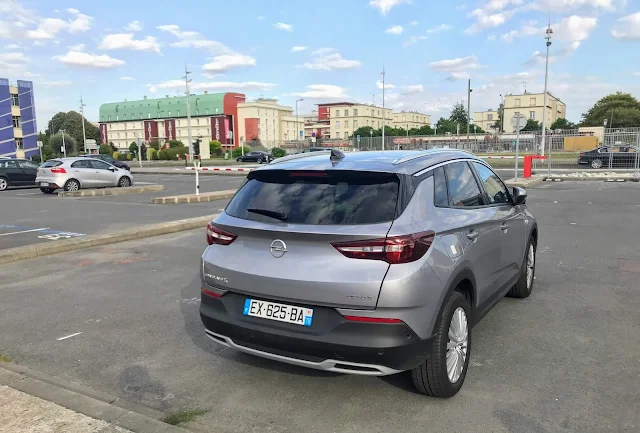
<point x="621" y="110"/>
<point x="44" y="138"/>
<point x="55" y="143"/>
<point x="562" y="123"/>
<point x="133" y="148"/>
<point x="365" y="131"/>
<point x="238" y="151"/>
<point x="459" y="115"/>
<point x="278" y="152"/>
<point x="154" y="144"/>
<point x="532" y="125"/>
<point x="215" y="148"/>
<point x="175" y="143"/>
<point x="71" y="122"/>
<point x="498" y="123"/>
<point x="445" y="125"/>
<point x="105" y="149"/>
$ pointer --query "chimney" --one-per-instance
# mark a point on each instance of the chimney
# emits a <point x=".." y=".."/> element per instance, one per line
<point x="206" y="92"/>
<point x="145" y="97"/>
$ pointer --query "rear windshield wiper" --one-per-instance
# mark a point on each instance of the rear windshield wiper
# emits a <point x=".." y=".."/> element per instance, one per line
<point x="270" y="213"/>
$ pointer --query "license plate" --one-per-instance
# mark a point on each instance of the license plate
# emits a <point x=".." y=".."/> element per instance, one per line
<point x="44" y="184"/>
<point x="280" y="312"/>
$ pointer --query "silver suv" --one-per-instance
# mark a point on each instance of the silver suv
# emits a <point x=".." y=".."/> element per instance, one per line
<point x="369" y="263"/>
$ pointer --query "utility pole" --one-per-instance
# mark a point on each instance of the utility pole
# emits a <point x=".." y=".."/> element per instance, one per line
<point x="64" y="146"/>
<point x="383" y="74"/>
<point x="188" y="93"/>
<point x="297" y="120"/>
<point x="549" y="32"/>
<point x="84" y="134"/>
<point x="468" y="108"/>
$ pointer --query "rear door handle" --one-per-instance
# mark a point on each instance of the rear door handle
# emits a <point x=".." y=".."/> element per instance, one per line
<point x="473" y="235"/>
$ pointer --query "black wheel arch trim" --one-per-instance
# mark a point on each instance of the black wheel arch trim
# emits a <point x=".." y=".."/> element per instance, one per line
<point x="463" y="274"/>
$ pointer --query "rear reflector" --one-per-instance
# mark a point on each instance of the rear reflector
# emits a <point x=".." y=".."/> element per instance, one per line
<point x="215" y="235"/>
<point x="211" y="293"/>
<point x="393" y="250"/>
<point x="58" y="170"/>
<point x="372" y="319"/>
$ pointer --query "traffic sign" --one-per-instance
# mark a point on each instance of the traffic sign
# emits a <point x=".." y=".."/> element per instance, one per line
<point x="358" y="138"/>
<point x="518" y="121"/>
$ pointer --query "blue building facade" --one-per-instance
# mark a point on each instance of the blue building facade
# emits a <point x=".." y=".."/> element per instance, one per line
<point x="18" y="128"/>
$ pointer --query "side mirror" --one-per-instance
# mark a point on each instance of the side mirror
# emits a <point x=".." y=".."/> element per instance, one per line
<point x="113" y="169"/>
<point x="519" y="195"/>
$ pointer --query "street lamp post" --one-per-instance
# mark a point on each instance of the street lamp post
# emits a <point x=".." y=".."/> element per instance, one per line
<point x="297" y="121"/>
<point x="383" y="116"/>
<point x="84" y="134"/>
<point x="502" y="117"/>
<point x="188" y="93"/>
<point x="64" y="146"/>
<point x="549" y="32"/>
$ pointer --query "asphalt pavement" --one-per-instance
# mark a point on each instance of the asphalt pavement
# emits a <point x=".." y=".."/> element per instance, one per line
<point x="124" y="319"/>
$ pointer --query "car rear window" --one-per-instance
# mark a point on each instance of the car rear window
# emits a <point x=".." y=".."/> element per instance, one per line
<point x="318" y="198"/>
<point x="51" y="163"/>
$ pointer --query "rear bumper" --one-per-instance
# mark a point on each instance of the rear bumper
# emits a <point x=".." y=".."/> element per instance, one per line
<point x="332" y="343"/>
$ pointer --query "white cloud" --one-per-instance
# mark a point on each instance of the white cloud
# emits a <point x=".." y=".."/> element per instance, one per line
<point x="79" y="47"/>
<point x="81" y="24"/>
<point x="385" y="6"/>
<point x="627" y="27"/>
<point x="48" y="28"/>
<point x="455" y="76"/>
<point x="13" y="61"/>
<point x="491" y="37"/>
<point x="59" y="83"/>
<point x="574" y="28"/>
<point x="283" y="26"/>
<point x="414" y="40"/>
<point x="85" y="60"/>
<point x="322" y="51"/>
<point x="214" y="85"/>
<point x="395" y="30"/>
<point x="12" y="47"/>
<point x="323" y="91"/>
<point x="456" y="65"/>
<point x="134" y="26"/>
<point x="567" y="5"/>
<point x="228" y="61"/>
<point x="528" y="28"/>
<point x="126" y="41"/>
<point x="260" y="18"/>
<point x="298" y="48"/>
<point x="386" y="85"/>
<point x="440" y="28"/>
<point x="73" y="11"/>
<point x="331" y="62"/>
<point x="413" y="23"/>
<point x="190" y="39"/>
<point x="126" y="78"/>
<point x="637" y="74"/>
<point x="416" y="88"/>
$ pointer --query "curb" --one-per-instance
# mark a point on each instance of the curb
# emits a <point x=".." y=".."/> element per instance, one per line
<point x="192" y="198"/>
<point x="525" y="183"/>
<point x="11" y="255"/>
<point x="588" y="179"/>
<point x="84" y="400"/>
<point x="110" y="191"/>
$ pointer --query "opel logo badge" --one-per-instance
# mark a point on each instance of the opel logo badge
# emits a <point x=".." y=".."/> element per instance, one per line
<point x="278" y="248"/>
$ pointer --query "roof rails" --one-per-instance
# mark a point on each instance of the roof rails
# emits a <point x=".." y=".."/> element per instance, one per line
<point x="300" y="156"/>
<point x="423" y="153"/>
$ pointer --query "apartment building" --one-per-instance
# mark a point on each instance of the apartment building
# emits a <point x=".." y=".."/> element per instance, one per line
<point x="486" y="120"/>
<point x="18" y="129"/>
<point x="213" y="117"/>
<point x="410" y="120"/>
<point x="531" y="106"/>
<point x="346" y="117"/>
<point x="270" y="122"/>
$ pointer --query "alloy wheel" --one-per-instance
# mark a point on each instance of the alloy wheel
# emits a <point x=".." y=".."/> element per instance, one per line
<point x="457" y="345"/>
<point x="596" y="163"/>
<point x="73" y="186"/>
<point x="531" y="263"/>
<point x="3" y="184"/>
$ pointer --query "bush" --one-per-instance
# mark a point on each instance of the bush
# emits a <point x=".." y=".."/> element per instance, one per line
<point x="105" y="149"/>
<point x="128" y="157"/>
<point x="278" y="152"/>
<point x="215" y="149"/>
<point x="162" y="155"/>
<point x="154" y="144"/>
<point x="116" y="155"/>
<point x="174" y="152"/>
<point x="238" y="151"/>
<point x="175" y="143"/>
<point x="153" y="154"/>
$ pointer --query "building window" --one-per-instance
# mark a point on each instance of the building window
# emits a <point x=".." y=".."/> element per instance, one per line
<point x="207" y="131"/>
<point x="103" y="118"/>
<point x="177" y="123"/>
<point x="355" y="111"/>
<point x="337" y="113"/>
<point x="118" y="135"/>
<point x="15" y="101"/>
<point x="517" y="102"/>
<point x="532" y="102"/>
<point x="532" y="115"/>
<point x="489" y="116"/>
<point x="19" y="144"/>
<point x="355" y="124"/>
<point x="197" y="121"/>
<point x="16" y="121"/>
<point x="177" y="113"/>
<point x="378" y="112"/>
<point x="109" y="118"/>
<point x="124" y="117"/>
<point x="148" y="115"/>
<point x="169" y="114"/>
<point x="346" y="123"/>
<point x="197" y="112"/>
<point x="117" y="117"/>
<point x="206" y="111"/>
<point x="346" y="113"/>
<point x="337" y="124"/>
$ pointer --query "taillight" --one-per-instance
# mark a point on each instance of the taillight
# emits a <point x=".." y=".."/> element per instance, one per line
<point x="582" y="155"/>
<point x="58" y="170"/>
<point x="215" y="235"/>
<point x="393" y="250"/>
<point x="212" y="293"/>
<point x="307" y="174"/>
<point x="372" y="319"/>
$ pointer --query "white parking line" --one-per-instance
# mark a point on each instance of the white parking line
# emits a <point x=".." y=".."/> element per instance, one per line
<point x="30" y="193"/>
<point x="24" y="231"/>
<point x="68" y="336"/>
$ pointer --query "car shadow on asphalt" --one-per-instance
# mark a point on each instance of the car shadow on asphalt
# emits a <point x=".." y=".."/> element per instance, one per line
<point x="195" y="331"/>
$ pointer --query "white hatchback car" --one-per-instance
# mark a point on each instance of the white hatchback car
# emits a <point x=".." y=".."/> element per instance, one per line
<point x="72" y="174"/>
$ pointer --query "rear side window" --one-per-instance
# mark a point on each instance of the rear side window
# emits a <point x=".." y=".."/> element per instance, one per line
<point x="463" y="188"/>
<point x="440" y="196"/>
<point x="318" y="198"/>
<point x="81" y="164"/>
<point x="51" y="163"/>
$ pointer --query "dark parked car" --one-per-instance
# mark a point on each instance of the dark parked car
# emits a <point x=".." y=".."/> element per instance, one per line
<point x="256" y="156"/>
<point x="110" y="160"/>
<point x="620" y="155"/>
<point x="17" y="172"/>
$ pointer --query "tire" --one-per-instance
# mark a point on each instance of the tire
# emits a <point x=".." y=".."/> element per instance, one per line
<point x="431" y="377"/>
<point x="4" y="184"/>
<point x="259" y="160"/>
<point x="238" y="159"/>
<point x="523" y="287"/>
<point x="124" y="182"/>
<point x="72" y="185"/>
<point x="47" y="190"/>
<point x="596" y="163"/>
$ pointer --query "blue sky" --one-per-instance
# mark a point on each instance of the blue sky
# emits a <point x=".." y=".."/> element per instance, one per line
<point x="320" y="50"/>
